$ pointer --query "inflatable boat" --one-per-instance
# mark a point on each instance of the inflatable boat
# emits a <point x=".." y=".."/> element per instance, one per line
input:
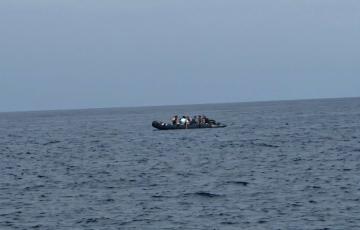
<point x="166" y="126"/>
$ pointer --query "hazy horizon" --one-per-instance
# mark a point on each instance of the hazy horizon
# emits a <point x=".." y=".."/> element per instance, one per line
<point x="93" y="54"/>
<point x="192" y="104"/>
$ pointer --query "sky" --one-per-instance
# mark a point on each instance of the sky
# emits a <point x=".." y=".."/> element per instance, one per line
<point x="68" y="54"/>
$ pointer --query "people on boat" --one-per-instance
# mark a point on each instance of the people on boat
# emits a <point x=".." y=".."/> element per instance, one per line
<point x="183" y="120"/>
<point x="175" y="120"/>
<point x="193" y="120"/>
<point x="206" y="119"/>
<point x="198" y="120"/>
<point x="203" y="121"/>
<point x="187" y="120"/>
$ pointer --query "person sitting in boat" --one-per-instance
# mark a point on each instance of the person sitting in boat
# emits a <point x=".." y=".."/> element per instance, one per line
<point x="193" y="121"/>
<point x="203" y="119"/>
<point x="188" y="118"/>
<point x="207" y="121"/>
<point x="199" y="120"/>
<point x="184" y="121"/>
<point x="175" y="120"/>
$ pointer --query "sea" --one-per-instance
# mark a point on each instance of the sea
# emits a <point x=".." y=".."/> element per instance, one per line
<point x="277" y="165"/>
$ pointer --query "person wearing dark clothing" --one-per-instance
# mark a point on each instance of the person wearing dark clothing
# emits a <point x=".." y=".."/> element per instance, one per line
<point x="193" y="120"/>
<point x="206" y="120"/>
<point x="175" y="120"/>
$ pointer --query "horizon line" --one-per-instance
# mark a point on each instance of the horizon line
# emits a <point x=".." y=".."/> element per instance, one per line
<point x="167" y="105"/>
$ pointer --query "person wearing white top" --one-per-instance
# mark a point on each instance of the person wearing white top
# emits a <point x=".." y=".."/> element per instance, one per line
<point x="183" y="120"/>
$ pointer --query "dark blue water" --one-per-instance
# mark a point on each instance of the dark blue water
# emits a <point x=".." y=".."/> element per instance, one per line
<point x="278" y="165"/>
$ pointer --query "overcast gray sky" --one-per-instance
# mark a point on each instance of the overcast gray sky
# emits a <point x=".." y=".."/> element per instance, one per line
<point x="80" y="54"/>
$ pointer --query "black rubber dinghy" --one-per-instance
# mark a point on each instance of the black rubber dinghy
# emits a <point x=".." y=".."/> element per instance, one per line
<point x="166" y="126"/>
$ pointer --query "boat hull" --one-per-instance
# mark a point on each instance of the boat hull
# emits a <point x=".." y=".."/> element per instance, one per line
<point x="166" y="126"/>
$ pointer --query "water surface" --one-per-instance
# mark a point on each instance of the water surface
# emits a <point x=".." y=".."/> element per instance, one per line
<point x="278" y="165"/>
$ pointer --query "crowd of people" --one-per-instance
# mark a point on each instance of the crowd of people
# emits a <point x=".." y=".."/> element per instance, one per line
<point x="187" y="120"/>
